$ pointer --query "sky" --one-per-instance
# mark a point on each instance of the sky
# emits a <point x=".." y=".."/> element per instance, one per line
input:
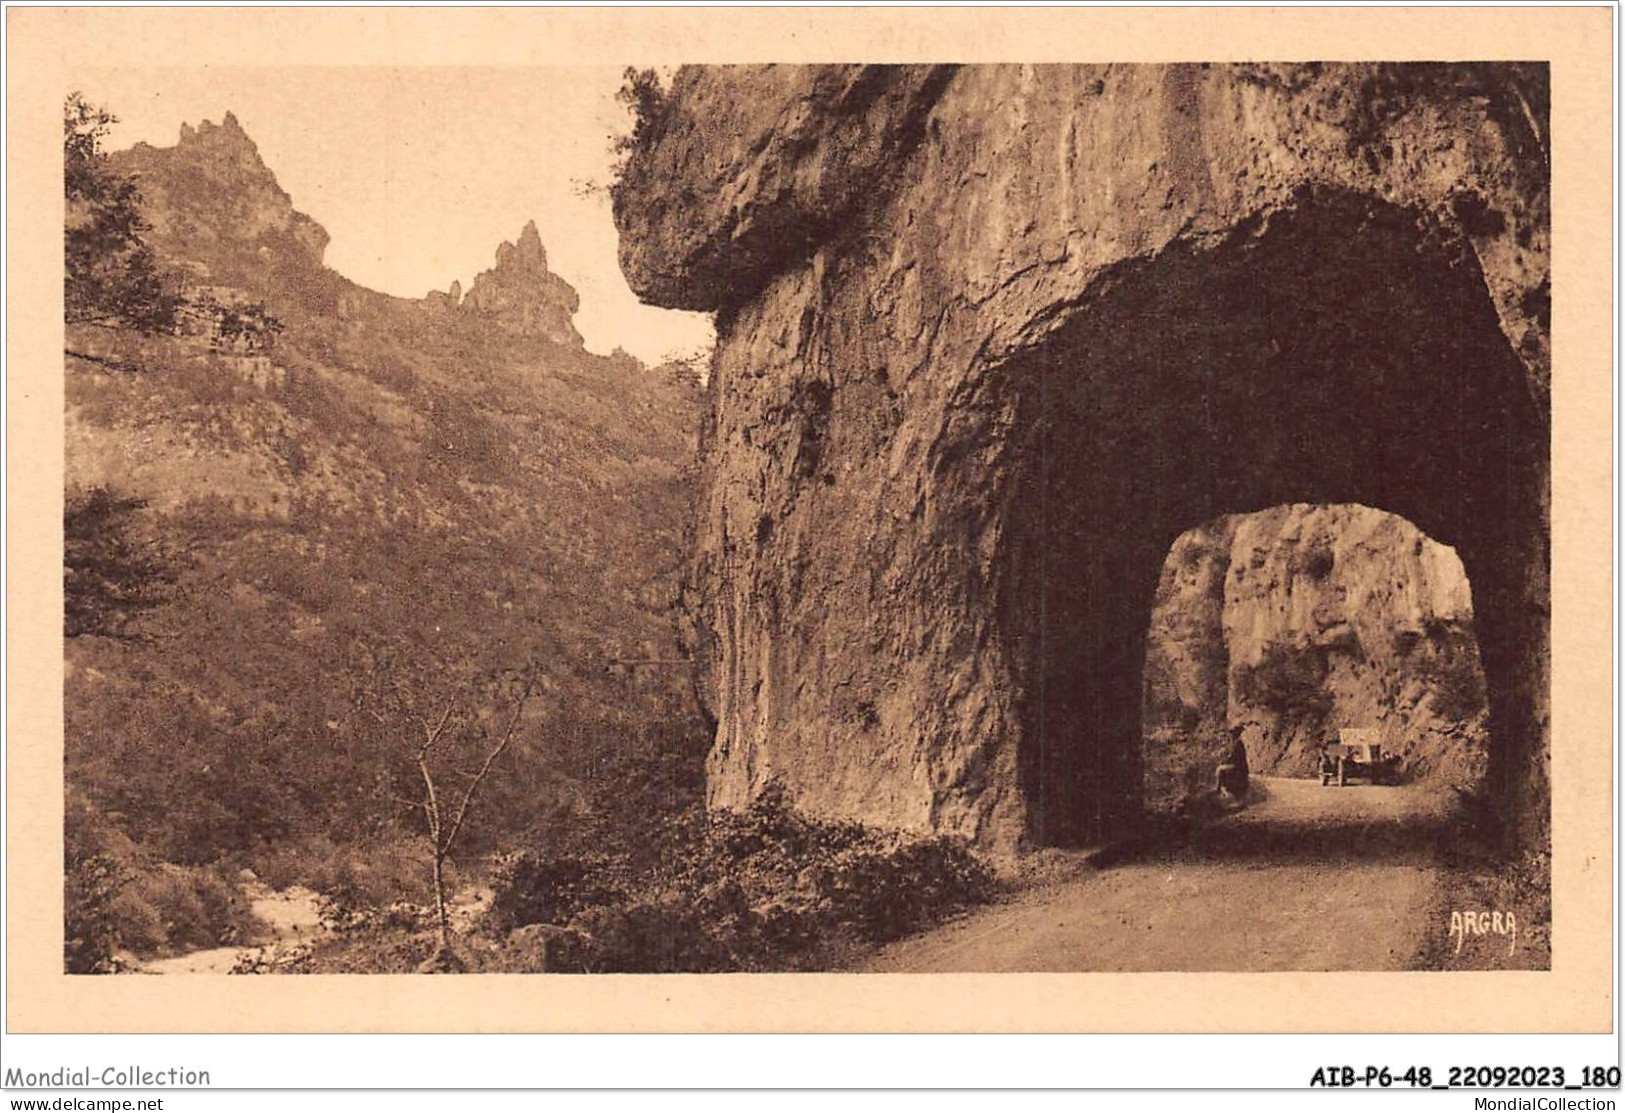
<point x="419" y="173"/>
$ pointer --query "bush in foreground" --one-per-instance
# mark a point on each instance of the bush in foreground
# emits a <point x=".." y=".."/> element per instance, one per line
<point x="765" y="889"/>
<point x="118" y="900"/>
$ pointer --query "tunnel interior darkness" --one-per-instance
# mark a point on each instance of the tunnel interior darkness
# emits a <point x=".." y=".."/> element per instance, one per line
<point x="1342" y="350"/>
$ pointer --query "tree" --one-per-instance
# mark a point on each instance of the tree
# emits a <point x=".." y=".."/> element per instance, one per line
<point x="642" y="95"/>
<point x="111" y="276"/>
<point x="240" y="326"/>
<point x="90" y="937"/>
<point x="689" y="369"/>
<point x="111" y="573"/>
<point x="480" y="722"/>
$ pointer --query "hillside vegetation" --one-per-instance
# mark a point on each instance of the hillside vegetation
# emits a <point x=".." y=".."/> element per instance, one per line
<point x="279" y="535"/>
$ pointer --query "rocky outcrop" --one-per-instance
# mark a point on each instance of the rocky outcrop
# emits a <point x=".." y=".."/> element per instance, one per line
<point x="446" y="299"/>
<point x="520" y="295"/>
<point x="1295" y="622"/>
<point x="218" y="212"/>
<point x="762" y="185"/>
<point x="991" y="338"/>
<point x="213" y="202"/>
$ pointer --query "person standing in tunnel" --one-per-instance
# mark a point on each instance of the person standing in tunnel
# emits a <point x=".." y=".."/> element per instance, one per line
<point x="1232" y="775"/>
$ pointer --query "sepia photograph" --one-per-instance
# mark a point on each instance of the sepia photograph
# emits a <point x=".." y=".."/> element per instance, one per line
<point x="613" y="517"/>
<point x="1106" y="528"/>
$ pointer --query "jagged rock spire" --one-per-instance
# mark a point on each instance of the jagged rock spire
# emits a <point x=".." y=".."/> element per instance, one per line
<point x="211" y="198"/>
<point x="522" y="295"/>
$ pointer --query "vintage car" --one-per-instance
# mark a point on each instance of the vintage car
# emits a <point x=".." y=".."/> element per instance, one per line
<point x="1342" y="762"/>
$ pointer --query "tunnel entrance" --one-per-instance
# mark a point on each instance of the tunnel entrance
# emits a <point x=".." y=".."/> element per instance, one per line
<point x="1287" y="626"/>
<point x="1341" y="351"/>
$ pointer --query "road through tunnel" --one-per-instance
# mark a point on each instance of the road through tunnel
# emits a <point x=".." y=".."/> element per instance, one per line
<point x="1341" y="351"/>
<point x="1284" y="628"/>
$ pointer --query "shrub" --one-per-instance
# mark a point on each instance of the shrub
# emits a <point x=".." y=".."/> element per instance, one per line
<point x="641" y="94"/>
<point x="767" y="888"/>
<point x="1287" y="680"/>
<point x="532" y="887"/>
<point x="116" y="898"/>
<point x="540" y="949"/>
<point x="658" y="933"/>
<point x="353" y="877"/>
<point x="278" y="958"/>
<point x="650" y="106"/>
<point x="95" y="870"/>
<point x="1452" y="671"/>
<point x="91" y="935"/>
<point x="182" y="908"/>
<point x="1315" y="559"/>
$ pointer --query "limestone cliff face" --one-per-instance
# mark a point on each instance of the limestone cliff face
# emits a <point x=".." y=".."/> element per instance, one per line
<point x="754" y="168"/>
<point x="1296" y="621"/>
<point x="1368" y="619"/>
<point x="745" y="190"/>
<point x="991" y="338"/>
<point x="1186" y="720"/>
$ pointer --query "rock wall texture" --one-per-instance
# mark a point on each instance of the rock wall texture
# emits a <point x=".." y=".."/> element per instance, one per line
<point x="992" y="337"/>
<point x="1294" y="622"/>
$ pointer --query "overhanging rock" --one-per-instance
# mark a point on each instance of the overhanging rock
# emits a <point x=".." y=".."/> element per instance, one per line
<point x="992" y="337"/>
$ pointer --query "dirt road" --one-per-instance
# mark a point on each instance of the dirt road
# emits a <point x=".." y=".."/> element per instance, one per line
<point x="1304" y="878"/>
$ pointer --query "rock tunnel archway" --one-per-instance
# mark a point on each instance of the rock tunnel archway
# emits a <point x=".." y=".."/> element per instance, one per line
<point x="1342" y="350"/>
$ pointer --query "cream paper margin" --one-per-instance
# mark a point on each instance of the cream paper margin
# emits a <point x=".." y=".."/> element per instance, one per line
<point x="46" y="47"/>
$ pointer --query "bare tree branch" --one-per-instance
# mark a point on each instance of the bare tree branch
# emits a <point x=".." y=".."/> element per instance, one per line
<point x="431" y="804"/>
<point x="432" y="734"/>
<point x="490" y="760"/>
